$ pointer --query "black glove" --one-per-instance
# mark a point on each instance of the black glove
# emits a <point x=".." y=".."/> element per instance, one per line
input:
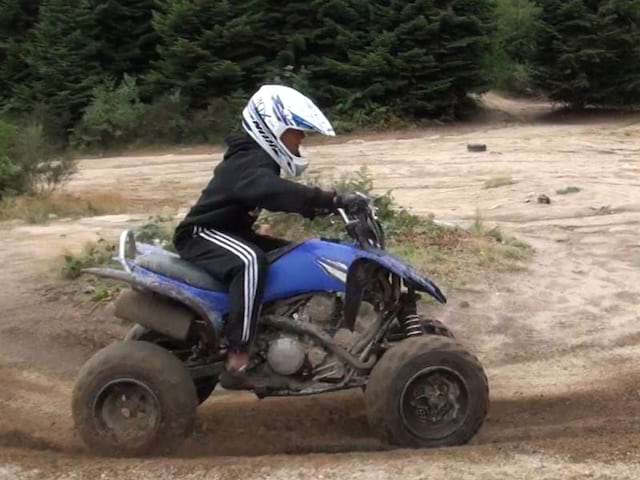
<point x="352" y="203"/>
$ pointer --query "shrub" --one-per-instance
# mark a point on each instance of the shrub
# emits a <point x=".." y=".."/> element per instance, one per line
<point x="513" y="45"/>
<point x="27" y="162"/>
<point x="113" y="117"/>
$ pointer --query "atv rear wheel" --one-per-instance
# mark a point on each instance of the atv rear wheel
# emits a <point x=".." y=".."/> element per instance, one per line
<point x="427" y="391"/>
<point x="204" y="385"/>
<point x="133" y="399"/>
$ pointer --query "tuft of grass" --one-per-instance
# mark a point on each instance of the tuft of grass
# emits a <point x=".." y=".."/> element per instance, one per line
<point x="44" y="208"/>
<point x="93" y="254"/>
<point x="496" y="182"/>
<point x="450" y="254"/>
<point x="157" y="230"/>
<point x="105" y="291"/>
<point x="568" y="190"/>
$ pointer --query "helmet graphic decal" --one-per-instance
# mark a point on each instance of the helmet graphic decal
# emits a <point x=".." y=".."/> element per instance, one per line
<point x="274" y="109"/>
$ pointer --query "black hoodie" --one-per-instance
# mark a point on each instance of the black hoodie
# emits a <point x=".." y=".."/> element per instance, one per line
<point x="247" y="180"/>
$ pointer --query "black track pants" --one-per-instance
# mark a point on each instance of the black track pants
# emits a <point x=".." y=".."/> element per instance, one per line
<point x="240" y="263"/>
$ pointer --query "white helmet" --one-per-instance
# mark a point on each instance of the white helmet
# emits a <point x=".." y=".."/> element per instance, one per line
<point x="274" y="109"/>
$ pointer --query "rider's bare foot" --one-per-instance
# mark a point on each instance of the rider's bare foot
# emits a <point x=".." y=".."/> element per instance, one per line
<point x="237" y="361"/>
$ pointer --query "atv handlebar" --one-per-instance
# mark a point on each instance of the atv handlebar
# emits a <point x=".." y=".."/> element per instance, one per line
<point x="364" y="227"/>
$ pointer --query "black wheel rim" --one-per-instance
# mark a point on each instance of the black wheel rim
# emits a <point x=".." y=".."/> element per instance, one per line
<point x="434" y="403"/>
<point x="128" y="412"/>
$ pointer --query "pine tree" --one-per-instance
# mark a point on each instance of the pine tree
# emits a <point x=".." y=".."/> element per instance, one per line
<point x="414" y="58"/>
<point x="206" y="49"/>
<point x="61" y="53"/>
<point x="283" y="37"/>
<point x="126" y="36"/>
<point x="336" y="50"/>
<point x="17" y="18"/>
<point x="419" y="80"/>
<point x="587" y="52"/>
<point x="615" y="79"/>
<point x="463" y="44"/>
<point x="567" y="44"/>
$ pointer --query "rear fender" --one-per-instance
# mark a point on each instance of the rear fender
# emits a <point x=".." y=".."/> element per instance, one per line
<point x="155" y="313"/>
<point x="145" y="280"/>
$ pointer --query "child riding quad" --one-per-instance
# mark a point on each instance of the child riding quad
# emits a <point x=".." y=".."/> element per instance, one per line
<point x="277" y="318"/>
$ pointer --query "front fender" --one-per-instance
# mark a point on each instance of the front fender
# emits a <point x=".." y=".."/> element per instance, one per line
<point x="355" y="281"/>
<point x="412" y="278"/>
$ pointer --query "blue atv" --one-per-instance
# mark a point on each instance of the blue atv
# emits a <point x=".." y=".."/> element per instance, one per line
<point x="335" y="316"/>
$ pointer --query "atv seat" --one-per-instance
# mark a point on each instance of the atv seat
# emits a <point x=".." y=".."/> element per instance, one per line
<point x="173" y="267"/>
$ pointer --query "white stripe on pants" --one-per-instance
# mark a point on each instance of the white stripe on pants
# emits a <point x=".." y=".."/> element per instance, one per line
<point x="250" y="261"/>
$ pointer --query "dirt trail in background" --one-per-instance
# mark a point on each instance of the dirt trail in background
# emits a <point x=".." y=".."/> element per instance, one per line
<point x="561" y="342"/>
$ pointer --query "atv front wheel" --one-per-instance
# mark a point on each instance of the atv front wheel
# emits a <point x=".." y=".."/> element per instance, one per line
<point x="133" y="399"/>
<point x="427" y="391"/>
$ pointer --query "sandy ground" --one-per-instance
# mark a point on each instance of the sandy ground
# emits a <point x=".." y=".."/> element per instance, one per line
<point x="560" y="341"/>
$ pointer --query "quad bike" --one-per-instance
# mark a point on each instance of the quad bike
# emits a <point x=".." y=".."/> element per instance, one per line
<point x="335" y="316"/>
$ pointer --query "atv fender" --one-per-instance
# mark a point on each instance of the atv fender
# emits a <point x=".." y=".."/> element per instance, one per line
<point x="357" y="277"/>
<point x="155" y="313"/>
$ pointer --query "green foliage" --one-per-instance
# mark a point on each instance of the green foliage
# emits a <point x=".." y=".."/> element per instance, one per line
<point x="513" y="45"/>
<point x="588" y="53"/>
<point x="450" y="253"/>
<point x="27" y="164"/>
<point x="9" y="169"/>
<point x="409" y="60"/>
<point x="113" y="117"/>
<point x="17" y="17"/>
<point x="568" y="190"/>
<point x="125" y="36"/>
<point x="205" y="49"/>
<point x="117" y="117"/>
<point x="61" y="58"/>
<point x="94" y="254"/>
<point x="380" y="64"/>
<point x="166" y="119"/>
<point x="157" y="230"/>
<point x="516" y="28"/>
<point x="211" y="124"/>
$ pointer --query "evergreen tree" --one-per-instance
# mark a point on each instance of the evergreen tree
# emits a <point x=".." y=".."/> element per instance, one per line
<point x="17" y="17"/>
<point x="619" y="78"/>
<point x="336" y="51"/>
<point x="62" y="57"/>
<point x="463" y="44"/>
<point x="588" y="52"/>
<point x="206" y="49"/>
<point x="415" y="58"/>
<point x="126" y="36"/>
<point x="417" y="71"/>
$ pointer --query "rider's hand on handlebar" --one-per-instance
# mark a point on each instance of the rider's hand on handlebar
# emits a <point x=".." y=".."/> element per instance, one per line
<point x="352" y="203"/>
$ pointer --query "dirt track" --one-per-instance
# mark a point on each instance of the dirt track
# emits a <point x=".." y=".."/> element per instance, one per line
<point x="561" y="342"/>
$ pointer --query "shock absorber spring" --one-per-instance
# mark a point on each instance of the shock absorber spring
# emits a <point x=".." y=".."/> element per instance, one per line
<point x="408" y="315"/>
<point x="412" y="325"/>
